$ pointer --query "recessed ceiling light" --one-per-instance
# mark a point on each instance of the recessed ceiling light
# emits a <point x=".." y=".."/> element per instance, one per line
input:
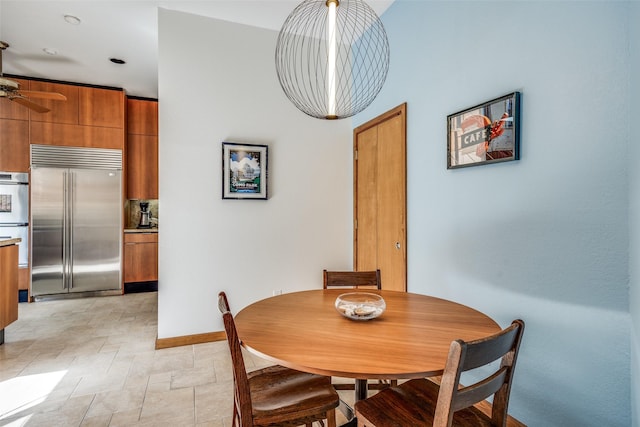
<point x="73" y="20"/>
<point x="50" y="51"/>
<point x="117" y="61"/>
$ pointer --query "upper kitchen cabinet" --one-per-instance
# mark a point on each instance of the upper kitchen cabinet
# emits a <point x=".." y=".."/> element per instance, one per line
<point x="101" y="107"/>
<point x="14" y="145"/>
<point x="14" y="134"/>
<point x="76" y="135"/>
<point x="142" y="117"/>
<point x="142" y="149"/>
<point x="61" y="111"/>
<point x="142" y="167"/>
<point x="90" y="117"/>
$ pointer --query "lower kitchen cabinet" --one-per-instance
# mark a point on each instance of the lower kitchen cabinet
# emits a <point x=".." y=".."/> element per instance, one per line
<point x="140" y="257"/>
<point x="8" y="287"/>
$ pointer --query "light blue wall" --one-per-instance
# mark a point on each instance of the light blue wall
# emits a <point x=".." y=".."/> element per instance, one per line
<point x="634" y="210"/>
<point x="544" y="238"/>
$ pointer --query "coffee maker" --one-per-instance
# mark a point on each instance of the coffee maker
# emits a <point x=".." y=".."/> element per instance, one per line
<point x="145" y="215"/>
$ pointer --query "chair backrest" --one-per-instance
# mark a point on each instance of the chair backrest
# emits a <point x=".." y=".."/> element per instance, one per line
<point x="352" y="279"/>
<point x="223" y="303"/>
<point x="242" y="393"/>
<point x="464" y="356"/>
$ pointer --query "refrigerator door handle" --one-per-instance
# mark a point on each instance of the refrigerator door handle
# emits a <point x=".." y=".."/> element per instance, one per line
<point x="65" y="255"/>
<point x="70" y="225"/>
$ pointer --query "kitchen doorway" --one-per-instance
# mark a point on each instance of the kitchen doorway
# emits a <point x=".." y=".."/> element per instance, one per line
<point x="380" y="207"/>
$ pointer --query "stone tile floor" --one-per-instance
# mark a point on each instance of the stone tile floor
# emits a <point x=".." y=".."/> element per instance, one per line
<point x="92" y="362"/>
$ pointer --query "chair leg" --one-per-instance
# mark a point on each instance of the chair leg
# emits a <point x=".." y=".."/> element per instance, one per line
<point x="235" y="414"/>
<point x="236" y="418"/>
<point x="331" y="418"/>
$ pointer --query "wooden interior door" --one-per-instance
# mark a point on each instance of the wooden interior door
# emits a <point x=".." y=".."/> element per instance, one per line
<point x="380" y="219"/>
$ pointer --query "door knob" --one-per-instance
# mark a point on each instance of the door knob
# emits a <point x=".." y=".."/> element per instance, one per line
<point x="397" y="245"/>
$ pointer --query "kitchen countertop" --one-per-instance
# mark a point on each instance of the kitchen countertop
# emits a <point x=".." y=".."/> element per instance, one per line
<point x="140" y="230"/>
<point x="10" y="242"/>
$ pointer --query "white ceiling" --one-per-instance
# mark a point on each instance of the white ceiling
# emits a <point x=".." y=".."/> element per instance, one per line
<point x="125" y="29"/>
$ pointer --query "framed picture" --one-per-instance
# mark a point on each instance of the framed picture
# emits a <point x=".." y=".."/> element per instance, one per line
<point x="486" y="133"/>
<point x="244" y="171"/>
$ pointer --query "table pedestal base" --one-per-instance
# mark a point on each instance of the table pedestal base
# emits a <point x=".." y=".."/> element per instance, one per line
<point x="361" y="389"/>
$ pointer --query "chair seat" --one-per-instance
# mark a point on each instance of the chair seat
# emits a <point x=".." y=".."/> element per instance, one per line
<point x="285" y="396"/>
<point x="414" y="404"/>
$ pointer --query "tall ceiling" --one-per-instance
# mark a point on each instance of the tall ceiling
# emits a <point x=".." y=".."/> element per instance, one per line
<point x="123" y="29"/>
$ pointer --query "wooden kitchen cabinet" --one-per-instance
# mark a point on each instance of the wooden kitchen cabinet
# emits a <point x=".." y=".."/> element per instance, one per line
<point x="99" y="125"/>
<point x="8" y="285"/>
<point x="142" y="149"/>
<point x="76" y="136"/>
<point x="14" y="145"/>
<point x="14" y="133"/>
<point x="85" y="105"/>
<point x="90" y="117"/>
<point x="101" y="107"/>
<point x="140" y="257"/>
<point x="142" y="116"/>
<point x="142" y="167"/>
<point x="64" y="112"/>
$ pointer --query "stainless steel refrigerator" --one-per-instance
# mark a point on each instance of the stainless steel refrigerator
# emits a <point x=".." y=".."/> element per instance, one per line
<point x="76" y="220"/>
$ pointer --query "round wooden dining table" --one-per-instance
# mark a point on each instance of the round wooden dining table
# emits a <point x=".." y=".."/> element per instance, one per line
<point x="411" y="339"/>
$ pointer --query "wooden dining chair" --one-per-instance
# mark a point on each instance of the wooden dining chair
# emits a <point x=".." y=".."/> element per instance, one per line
<point x="275" y="395"/>
<point x="425" y="403"/>
<point x="352" y="279"/>
<point x="355" y="280"/>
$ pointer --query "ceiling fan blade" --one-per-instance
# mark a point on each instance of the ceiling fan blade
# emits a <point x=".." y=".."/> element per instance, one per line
<point x="43" y="95"/>
<point x="32" y="105"/>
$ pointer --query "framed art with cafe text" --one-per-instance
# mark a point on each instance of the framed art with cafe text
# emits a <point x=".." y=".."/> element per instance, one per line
<point x="486" y="133"/>
<point x="244" y="171"/>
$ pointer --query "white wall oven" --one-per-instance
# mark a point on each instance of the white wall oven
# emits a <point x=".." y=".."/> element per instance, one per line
<point x="14" y="211"/>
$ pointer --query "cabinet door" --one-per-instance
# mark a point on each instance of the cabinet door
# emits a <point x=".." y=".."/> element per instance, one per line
<point x="142" y="167"/>
<point x="61" y="111"/>
<point x="14" y="133"/>
<point x="140" y="261"/>
<point x="14" y="145"/>
<point x="8" y="285"/>
<point x="76" y="135"/>
<point x="142" y="117"/>
<point x="101" y="107"/>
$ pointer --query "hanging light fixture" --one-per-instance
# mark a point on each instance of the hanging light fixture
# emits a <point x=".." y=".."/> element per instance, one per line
<point x="332" y="57"/>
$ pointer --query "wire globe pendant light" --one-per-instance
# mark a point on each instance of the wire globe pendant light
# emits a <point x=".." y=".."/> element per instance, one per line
<point x="332" y="57"/>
